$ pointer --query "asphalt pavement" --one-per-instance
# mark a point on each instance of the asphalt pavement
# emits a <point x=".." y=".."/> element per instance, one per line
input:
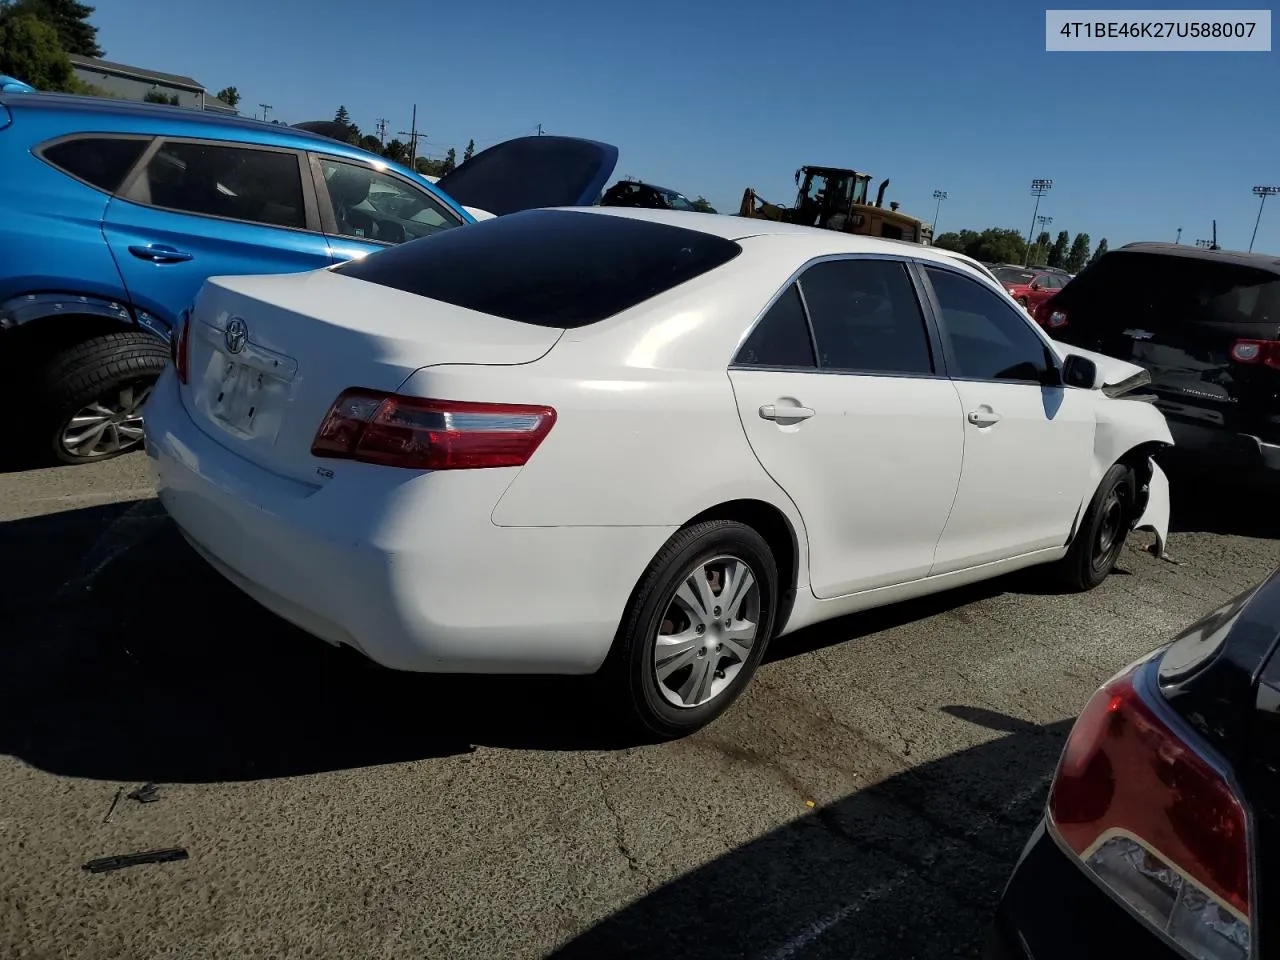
<point x="865" y="798"/>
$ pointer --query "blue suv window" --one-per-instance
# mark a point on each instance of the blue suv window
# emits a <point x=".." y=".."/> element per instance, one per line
<point x="101" y="162"/>
<point x="216" y="180"/>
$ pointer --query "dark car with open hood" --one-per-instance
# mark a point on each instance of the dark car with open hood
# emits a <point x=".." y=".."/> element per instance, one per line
<point x="1161" y="836"/>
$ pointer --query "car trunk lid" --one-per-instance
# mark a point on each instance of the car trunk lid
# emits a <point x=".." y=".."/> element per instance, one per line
<point x="268" y="355"/>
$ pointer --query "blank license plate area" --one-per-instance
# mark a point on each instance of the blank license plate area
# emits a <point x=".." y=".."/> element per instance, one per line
<point x="242" y="397"/>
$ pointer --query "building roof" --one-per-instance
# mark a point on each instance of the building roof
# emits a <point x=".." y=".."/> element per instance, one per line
<point x="1261" y="261"/>
<point x="136" y="73"/>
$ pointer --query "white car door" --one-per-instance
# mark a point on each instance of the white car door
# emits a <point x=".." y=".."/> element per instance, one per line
<point x="1028" y="451"/>
<point x="838" y="393"/>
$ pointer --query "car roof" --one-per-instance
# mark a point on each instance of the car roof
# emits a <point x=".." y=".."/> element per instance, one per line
<point x="1260" y="261"/>
<point x="741" y="228"/>
<point x="104" y="115"/>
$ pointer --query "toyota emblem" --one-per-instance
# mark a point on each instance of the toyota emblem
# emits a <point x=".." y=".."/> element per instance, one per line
<point x="237" y="335"/>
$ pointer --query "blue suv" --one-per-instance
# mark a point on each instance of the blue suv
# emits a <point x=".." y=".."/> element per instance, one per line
<point x="113" y="213"/>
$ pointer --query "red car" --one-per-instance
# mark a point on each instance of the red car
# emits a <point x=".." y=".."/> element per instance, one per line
<point x="1030" y="286"/>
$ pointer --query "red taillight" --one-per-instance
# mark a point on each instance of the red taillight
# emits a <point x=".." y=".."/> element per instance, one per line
<point x="1155" y="822"/>
<point x="1050" y="317"/>
<point x="1265" y="352"/>
<point x="423" y="434"/>
<point x="179" y="354"/>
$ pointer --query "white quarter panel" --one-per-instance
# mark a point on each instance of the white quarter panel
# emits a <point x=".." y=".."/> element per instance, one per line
<point x="873" y="471"/>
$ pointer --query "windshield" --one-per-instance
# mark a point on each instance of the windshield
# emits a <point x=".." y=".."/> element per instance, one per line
<point x="677" y="201"/>
<point x="1013" y="275"/>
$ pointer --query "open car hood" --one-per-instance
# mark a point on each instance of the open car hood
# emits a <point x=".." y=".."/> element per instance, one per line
<point x="531" y="172"/>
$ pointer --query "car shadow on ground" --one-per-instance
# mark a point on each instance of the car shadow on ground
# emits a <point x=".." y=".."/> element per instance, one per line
<point x="1226" y="503"/>
<point x="124" y="657"/>
<point x="911" y="867"/>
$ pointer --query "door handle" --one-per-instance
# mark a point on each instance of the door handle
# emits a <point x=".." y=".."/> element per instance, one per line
<point x="984" y="418"/>
<point x="772" y="411"/>
<point x="160" y="253"/>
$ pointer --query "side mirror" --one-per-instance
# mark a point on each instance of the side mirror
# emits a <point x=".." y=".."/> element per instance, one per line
<point x="1080" y="372"/>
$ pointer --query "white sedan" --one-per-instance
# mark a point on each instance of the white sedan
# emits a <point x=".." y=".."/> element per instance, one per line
<point x="634" y="443"/>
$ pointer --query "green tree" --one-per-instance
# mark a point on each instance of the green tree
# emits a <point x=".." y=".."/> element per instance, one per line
<point x="427" y="167"/>
<point x="468" y="153"/>
<point x="703" y="205"/>
<point x="396" y="152"/>
<point x="450" y="162"/>
<point x="30" y="50"/>
<point x="67" y="17"/>
<point x="1079" y="254"/>
<point x="342" y="116"/>
<point x="230" y="96"/>
<point x="1058" y="252"/>
<point x="371" y="143"/>
<point x="1102" y="248"/>
<point x="155" y="96"/>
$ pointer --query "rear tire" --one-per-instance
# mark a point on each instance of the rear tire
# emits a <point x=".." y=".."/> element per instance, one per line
<point x="1103" y="531"/>
<point x="91" y="396"/>
<point x="684" y="654"/>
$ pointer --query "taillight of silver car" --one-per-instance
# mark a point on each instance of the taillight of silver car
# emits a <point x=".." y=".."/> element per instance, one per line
<point x="423" y="434"/>
<point x="1155" y="820"/>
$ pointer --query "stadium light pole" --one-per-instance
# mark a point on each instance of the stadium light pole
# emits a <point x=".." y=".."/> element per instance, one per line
<point x="1262" y="192"/>
<point x="1038" y="189"/>
<point x="1178" y="238"/>
<point x="938" y="195"/>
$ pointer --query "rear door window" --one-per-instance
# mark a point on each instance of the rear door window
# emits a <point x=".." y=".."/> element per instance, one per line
<point x="553" y="268"/>
<point x="371" y="205"/>
<point x="866" y="317"/>
<point x="781" y="338"/>
<point x="219" y="180"/>
<point x="101" y="162"/>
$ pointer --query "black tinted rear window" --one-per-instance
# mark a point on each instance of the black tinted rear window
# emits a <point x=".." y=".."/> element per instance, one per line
<point x="1176" y="288"/>
<point x="554" y="268"/>
<point x="100" y="161"/>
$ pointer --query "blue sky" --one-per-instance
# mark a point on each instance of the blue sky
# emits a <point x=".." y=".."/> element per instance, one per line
<point x="714" y="96"/>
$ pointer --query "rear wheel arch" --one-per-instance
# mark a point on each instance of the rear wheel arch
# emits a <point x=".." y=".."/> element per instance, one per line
<point x="778" y="532"/>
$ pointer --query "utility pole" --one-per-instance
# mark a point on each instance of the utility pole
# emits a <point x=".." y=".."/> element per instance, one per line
<point x="1178" y="238"/>
<point x="1044" y="225"/>
<point x="539" y="129"/>
<point x="265" y="107"/>
<point x="413" y="135"/>
<point x="938" y="195"/>
<point x="1262" y="192"/>
<point x="381" y="126"/>
<point x="1038" y="189"/>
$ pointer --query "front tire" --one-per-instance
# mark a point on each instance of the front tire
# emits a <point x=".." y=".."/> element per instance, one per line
<point x="92" y="395"/>
<point x="695" y="630"/>
<point x="1102" y="532"/>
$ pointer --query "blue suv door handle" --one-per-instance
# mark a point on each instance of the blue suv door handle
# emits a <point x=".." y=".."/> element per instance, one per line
<point x="160" y="253"/>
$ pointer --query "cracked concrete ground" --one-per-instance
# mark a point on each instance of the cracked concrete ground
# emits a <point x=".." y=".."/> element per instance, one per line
<point x="866" y="797"/>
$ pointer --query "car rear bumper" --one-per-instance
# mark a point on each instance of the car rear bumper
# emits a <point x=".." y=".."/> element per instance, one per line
<point x="405" y="567"/>
<point x="1223" y="444"/>
<point x="1052" y="910"/>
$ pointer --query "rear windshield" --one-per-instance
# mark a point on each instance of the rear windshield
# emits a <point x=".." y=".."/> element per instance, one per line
<point x="1009" y="275"/>
<point x="553" y="268"/>
<point x="1183" y="288"/>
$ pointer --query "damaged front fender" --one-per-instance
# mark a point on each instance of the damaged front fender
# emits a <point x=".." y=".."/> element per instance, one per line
<point x="1156" y="515"/>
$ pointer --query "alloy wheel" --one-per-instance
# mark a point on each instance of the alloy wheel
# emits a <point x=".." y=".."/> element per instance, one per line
<point x="707" y="631"/>
<point x="109" y="425"/>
